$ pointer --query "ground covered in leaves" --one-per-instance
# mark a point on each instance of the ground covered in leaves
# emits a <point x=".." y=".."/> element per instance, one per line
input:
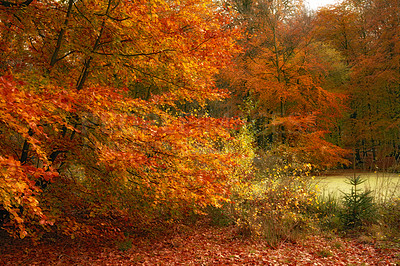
<point x="199" y="245"/>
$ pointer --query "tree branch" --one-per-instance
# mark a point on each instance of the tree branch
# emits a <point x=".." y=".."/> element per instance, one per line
<point x="85" y="70"/>
<point x="138" y="54"/>
<point x="11" y="4"/>
<point x="54" y="57"/>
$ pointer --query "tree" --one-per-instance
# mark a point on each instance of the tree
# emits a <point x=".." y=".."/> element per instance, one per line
<point x="88" y="123"/>
<point x="279" y="78"/>
<point x="366" y="34"/>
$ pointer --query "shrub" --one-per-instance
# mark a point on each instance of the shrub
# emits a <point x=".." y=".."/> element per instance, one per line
<point x="273" y="207"/>
<point x="219" y="215"/>
<point x="269" y="199"/>
<point x="390" y="217"/>
<point x="327" y="211"/>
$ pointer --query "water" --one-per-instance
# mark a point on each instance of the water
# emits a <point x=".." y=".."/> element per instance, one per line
<point x="385" y="186"/>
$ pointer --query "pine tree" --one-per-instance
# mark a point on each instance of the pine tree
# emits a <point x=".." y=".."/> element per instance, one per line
<point x="359" y="208"/>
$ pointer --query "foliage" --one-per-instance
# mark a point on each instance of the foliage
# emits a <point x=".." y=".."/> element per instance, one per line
<point x="363" y="213"/>
<point x="18" y="196"/>
<point x="273" y="207"/>
<point x="220" y="216"/>
<point x="327" y="211"/>
<point x="358" y="206"/>
<point x="390" y="217"/>
<point x="265" y="202"/>
<point x="90" y="111"/>
<point x="366" y="35"/>
<point x="279" y="83"/>
<point x="109" y="110"/>
<point x="243" y="145"/>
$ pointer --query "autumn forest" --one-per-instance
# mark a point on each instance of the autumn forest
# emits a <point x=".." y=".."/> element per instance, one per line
<point x="124" y="120"/>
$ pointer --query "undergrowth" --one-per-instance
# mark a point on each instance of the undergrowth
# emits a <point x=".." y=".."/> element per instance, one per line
<point x="269" y="201"/>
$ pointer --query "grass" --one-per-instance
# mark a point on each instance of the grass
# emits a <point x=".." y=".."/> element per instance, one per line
<point x="386" y="194"/>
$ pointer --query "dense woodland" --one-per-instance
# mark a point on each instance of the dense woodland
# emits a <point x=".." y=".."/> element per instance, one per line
<point x="135" y="112"/>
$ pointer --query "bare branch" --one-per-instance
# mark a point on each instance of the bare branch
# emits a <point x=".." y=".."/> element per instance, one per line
<point x="54" y="58"/>
<point x="138" y="54"/>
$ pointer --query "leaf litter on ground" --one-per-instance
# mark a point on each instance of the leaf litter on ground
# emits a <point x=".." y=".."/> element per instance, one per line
<point x="199" y="245"/>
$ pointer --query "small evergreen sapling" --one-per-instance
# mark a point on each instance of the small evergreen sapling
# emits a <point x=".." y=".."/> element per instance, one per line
<point x="359" y="208"/>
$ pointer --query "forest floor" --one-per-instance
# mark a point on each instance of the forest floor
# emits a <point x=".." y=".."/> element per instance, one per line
<point x="198" y="245"/>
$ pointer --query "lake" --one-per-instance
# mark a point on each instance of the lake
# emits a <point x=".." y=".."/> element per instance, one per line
<point x="384" y="185"/>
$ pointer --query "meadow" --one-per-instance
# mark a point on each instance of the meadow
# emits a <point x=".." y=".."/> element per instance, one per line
<point x="384" y="186"/>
